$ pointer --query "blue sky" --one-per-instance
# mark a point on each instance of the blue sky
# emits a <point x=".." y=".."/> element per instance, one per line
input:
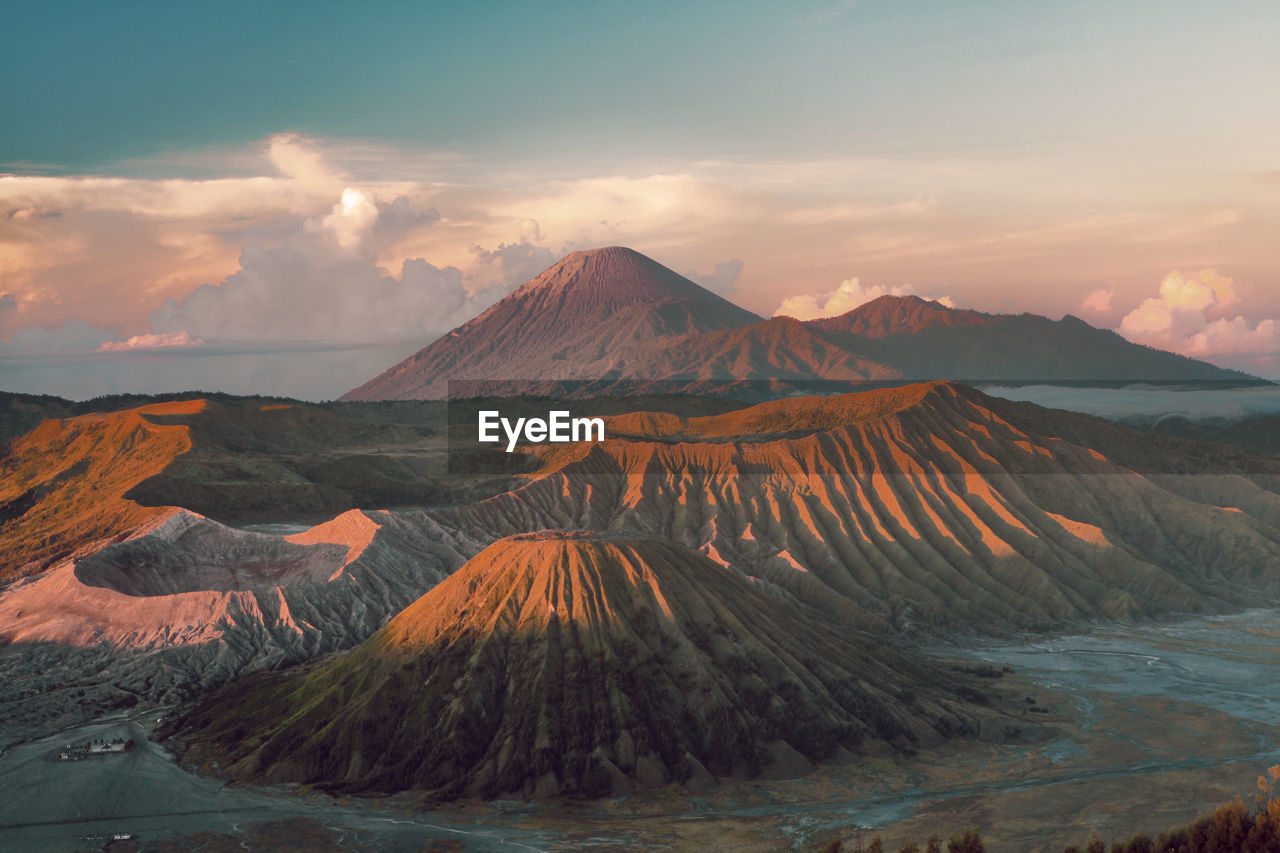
<point x="91" y="84"/>
<point x="1117" y="161"/>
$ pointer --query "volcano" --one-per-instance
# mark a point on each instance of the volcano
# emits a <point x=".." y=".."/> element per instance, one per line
<point x="592" y="315"/>
<point x="581" y="663"/>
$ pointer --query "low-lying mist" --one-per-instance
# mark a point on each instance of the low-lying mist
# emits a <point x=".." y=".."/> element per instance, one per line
<point x="1144" y="404"/>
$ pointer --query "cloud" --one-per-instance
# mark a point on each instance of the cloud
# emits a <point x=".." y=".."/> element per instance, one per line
<point x="310" y="289"/>
<point x="301" y="158"/>
<point x="849" y="295"/>
<point x="1098" y="302"/>
<point x="87" y="246"/>
<point x="119" y="243"/>
<point x="151" y="342"/>
<point x="398" y="217"/>
<point x="652" y="212"/>
<point x="722" y="280"/>
<point x="1235" y="336"/>
<point x="511" y="264"/>
<point x="351" y="218"/>
<point x="1180" y="310"/>
<point x="1187" y="317"/>
<point x="22" y="213"/>
<point x="7" y="302"/>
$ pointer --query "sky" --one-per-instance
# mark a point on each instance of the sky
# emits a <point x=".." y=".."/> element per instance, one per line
<point x="288" y="198"/>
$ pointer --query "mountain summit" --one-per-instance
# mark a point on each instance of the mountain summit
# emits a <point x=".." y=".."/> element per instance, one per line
<point x="613" y="277"/>
<point x="592" y="315"/>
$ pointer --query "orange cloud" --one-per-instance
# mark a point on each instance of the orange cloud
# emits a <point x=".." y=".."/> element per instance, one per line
<point x="146" y="342"/>
<point x="1098" y="302"/>
<point x="1181" y="318"/>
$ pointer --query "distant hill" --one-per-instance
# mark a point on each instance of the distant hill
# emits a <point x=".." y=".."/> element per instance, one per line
<point x="886" y="316"/>
<point x="923" y="340"/>
<point x="620" y="322"/>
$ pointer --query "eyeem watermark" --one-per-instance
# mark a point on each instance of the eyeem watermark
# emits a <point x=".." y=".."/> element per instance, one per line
<point x="559" y="427"/>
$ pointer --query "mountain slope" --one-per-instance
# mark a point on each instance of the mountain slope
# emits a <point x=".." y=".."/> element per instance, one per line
<point x="924" y="340"/>
<point x="928" y="507"/>
<point x="911" y="507"/>
<point x="63" y="485"/>
<point x="612" y="316"/>
<point x="577" y="663"/>
<point x="899" y="315"/>
<point x="587" y="317"/>
<point x="780" y="348"/>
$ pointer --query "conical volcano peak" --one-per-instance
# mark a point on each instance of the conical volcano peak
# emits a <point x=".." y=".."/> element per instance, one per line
<point x="596" y="313"/>
<point x="612" y="275"/>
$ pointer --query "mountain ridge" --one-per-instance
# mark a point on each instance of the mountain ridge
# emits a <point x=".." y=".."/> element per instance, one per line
<point x="607" y="315"/>
<point x="923" y="506"/>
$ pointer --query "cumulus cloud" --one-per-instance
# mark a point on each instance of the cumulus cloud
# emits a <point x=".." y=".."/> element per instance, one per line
<point x="87" y="247"/>
<point x="360" y="220"/>
<point x="351" y="218"/>
<point x="398" y="217"/>
<point x="1184" y="309"/>
<point x="1235" y="336"/>
<point x="849" y="295"/>
<point x="722" y="280"/>
<point x="152" y="342"/>
<point x="649" y="212"/>
<point x="1098" y="302"/>
<point x="312" y="282"/>
<point x="511" y="264"/>
<point x="1187" y="317"/>
<point x="301" y="158"/>
<point x="312" y="290"/>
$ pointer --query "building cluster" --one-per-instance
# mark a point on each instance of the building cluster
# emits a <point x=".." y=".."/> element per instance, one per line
<point x="97" y="746"/>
